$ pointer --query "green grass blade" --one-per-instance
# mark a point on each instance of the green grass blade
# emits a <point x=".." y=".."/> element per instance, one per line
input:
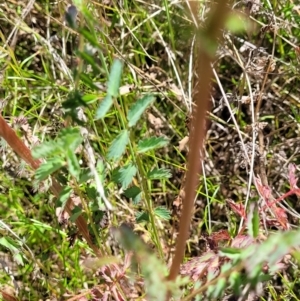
<point x="115" y="78"/>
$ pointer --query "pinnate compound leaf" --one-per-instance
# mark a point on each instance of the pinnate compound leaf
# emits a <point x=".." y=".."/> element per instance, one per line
<point x="281" y="217"/>
<point x="47" y="168"/>
<point x="197" y="267"/>
<point x="73" y="164"/>
<point x="242" y="241"/>
<point x="272" y="250"/>
<point x="118" y="146"/>
<point x="104" y="107"/>
<point x="46" y="149"/>
<point x="138" y="109"/>
<point x="69" y="138"/>
<point x="114" y="78"/>
<point x="159" y="173"/>
<point x="151" y="143"/>
<point x="162" y="213"/>
<point x="125" y="175"/>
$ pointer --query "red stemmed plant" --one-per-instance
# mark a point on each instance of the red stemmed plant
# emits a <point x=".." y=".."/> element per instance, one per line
<point x="270" y="215"/>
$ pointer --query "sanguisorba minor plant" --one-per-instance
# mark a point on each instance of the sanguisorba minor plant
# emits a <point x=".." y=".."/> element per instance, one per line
<point x="119" y="165"/>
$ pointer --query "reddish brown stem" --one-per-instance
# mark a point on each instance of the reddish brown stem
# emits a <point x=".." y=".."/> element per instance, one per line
<point x="291" y="192"/>
<point x="201" y="99"/>
<point x="9" y="135"/>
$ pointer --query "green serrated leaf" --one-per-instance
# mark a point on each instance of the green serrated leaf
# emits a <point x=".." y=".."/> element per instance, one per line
<point x="126" y="174"/>
<point x="142" y="217"/>
<point x="118" y="146"/>
<point x="138" y="109"/>
<point x="69" y="138"/>
<point x="134" y="193"/>
<point x="63" y="197"/>
<point x="159" y="173"/>
<point x="75" y="213"/>
<point x="114" y="78"/>
<point x="104" y="107"/>
<point x="49" y="167"/>
<point x="85" y="175"/>
<point x="162" y="212"/>
<point x="45" y="149"/>
<point x="73" y="164"/>
<point x="151" y="143"/>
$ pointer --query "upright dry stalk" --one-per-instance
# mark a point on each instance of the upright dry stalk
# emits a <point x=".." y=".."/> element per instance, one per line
<point x="206" y="46"/>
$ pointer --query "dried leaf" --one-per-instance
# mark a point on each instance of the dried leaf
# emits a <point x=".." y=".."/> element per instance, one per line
<point x="242" y="241"/>
<point x="183" y="142"/>
<point x="237" y="208"/>
<point x="156" y="122"/>
<point x="292" y="176"/>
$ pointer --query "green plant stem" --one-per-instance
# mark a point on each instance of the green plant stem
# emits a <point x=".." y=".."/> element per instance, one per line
<point x="143" y="180"/>
<point x="88" y="212"/>
<point x="149" y="206"/>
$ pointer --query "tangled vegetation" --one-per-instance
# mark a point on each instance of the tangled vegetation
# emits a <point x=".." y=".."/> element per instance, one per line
<point x="149" y="150"/>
